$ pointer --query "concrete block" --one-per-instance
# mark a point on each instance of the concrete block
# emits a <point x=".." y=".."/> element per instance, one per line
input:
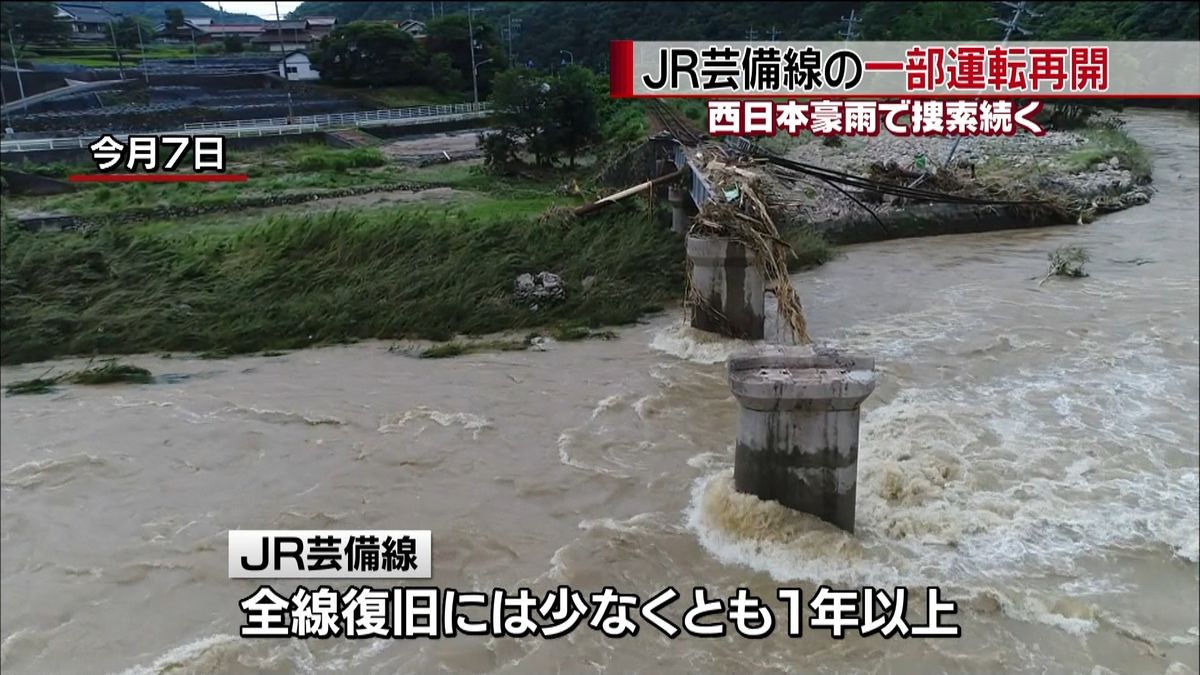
<point x="797" y="432"/>
<point x="724" y="275"/>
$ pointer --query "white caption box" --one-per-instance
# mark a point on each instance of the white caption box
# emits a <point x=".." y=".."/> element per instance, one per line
<point x="330" y="554"/>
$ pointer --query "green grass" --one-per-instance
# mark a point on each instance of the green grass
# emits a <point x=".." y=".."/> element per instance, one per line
<point x="1104" y="143"/>
<point x="811" y="248"/>
<point x="37" y="385"/>
<point x="460" y="347"/>
<point x="308" y="168"/>
<point x="572" y="331"/>
<point x="328" y="159"/>
<point x="300" y="279"/>
<point x="103" y="56"/>
<point x="111" y="372"/>
<point x="408" y="96"/>
<point x="301" y="167"/>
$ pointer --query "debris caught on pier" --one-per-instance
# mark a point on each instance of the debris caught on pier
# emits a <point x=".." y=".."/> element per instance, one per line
<point x="743" y="215"/>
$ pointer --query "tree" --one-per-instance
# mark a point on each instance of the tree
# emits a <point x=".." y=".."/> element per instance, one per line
<point x="373" y="53"/>
<point x="546" y="116"/>
<point x="520" y="107"/>
<point x="126" y="32"/>
<point x="449" y="36"/>
<point x="31" y="22"/>
<point x="574" y="111"/>
<point x="499" y="150"/>
<point x="441" y="74"/>
<point x="234" y="44"/>
<point x="174" y="18"/>
<point x="931" y="21"/>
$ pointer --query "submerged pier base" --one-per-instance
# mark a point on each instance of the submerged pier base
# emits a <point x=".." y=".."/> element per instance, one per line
<point x="729" y="288"/>
<point x="797" y="431"/>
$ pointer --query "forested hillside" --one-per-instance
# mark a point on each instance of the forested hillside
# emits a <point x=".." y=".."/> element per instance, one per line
<point x="191" y="8"/>
<point x="585" y="28"/>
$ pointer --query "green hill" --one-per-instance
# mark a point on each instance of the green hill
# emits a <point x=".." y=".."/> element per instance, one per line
<point x="191" y="8"/>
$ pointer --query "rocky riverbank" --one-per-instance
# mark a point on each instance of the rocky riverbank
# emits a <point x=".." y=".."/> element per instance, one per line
<point x="1097" y="169"/>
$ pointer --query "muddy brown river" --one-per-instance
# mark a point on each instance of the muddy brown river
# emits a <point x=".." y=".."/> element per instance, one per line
<point x="1032" y="450"/>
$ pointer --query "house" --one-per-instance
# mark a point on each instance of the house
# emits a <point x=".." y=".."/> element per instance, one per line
<point x="320" y="26"/>
<point x="297" y="66"/>
<point x="88" y="22"/>
<point x="205" y="32"/>
<point x="192" y="29"/>
<point x="246" y="31"/>
<point x="413" y="27"/>
<point x="284" y="36"/>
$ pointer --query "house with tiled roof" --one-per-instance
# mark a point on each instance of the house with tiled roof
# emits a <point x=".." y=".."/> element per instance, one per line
<point x="89" y="23"/>
<point x="284" y="37"/>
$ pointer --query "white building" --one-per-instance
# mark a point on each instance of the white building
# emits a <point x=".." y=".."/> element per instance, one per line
<point x="297" y="66"/>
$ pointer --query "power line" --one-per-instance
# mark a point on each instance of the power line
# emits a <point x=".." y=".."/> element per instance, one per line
<point x="510" y="34"/>
<point x="1010" y="27"/>
<point x="774" y="34"/>
<point x="849" y="33"/>
<point x="751" y="34"/>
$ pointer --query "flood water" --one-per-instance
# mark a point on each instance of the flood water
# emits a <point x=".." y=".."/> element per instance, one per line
<point x="1032" y="450"/>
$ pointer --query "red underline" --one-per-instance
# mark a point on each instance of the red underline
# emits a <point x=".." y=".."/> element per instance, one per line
<point x="157" y="178"/>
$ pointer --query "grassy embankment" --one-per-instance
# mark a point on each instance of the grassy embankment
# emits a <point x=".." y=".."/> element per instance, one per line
<point x="313" y="170"/>
<point x="247" y="281"/>
<point x="287" y="282"/>
<point x="237" y="284"/>
<point x="1104" y="143"/>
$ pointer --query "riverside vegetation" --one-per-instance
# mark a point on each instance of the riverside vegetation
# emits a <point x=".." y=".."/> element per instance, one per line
<point x="215" y="269"/>
<point x="219" y="269"/>
<point x="236" y="279"/>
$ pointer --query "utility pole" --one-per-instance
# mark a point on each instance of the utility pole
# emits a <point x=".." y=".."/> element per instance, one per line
<point x="852" y="22"/>
<point x="16" y="64"/>
<point x="471" y="39"/>
<point x="510" y="33"/>
<point x="774" y="34"/>
<point x="142" y="48"/>
<point x="7" y="116"/>
<point x="120" y="64"/>
<point x="751" y="34"/>
<point x="287" y="78"/>
<point x="1010" y="27"/>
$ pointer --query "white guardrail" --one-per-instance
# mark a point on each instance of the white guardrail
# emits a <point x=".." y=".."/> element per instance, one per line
<point x="277" y="126"/>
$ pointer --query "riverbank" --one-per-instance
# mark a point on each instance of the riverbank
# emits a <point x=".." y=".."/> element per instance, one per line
<point x="1078" y="173"/>
<point x="385" y="250"/>
<point x="287" y="282"/>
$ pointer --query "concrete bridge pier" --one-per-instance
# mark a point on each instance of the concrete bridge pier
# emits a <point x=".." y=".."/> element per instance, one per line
<point x="682" y="209"/>
<point x="729" y="291"/>
<point x="797" y="430"/>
